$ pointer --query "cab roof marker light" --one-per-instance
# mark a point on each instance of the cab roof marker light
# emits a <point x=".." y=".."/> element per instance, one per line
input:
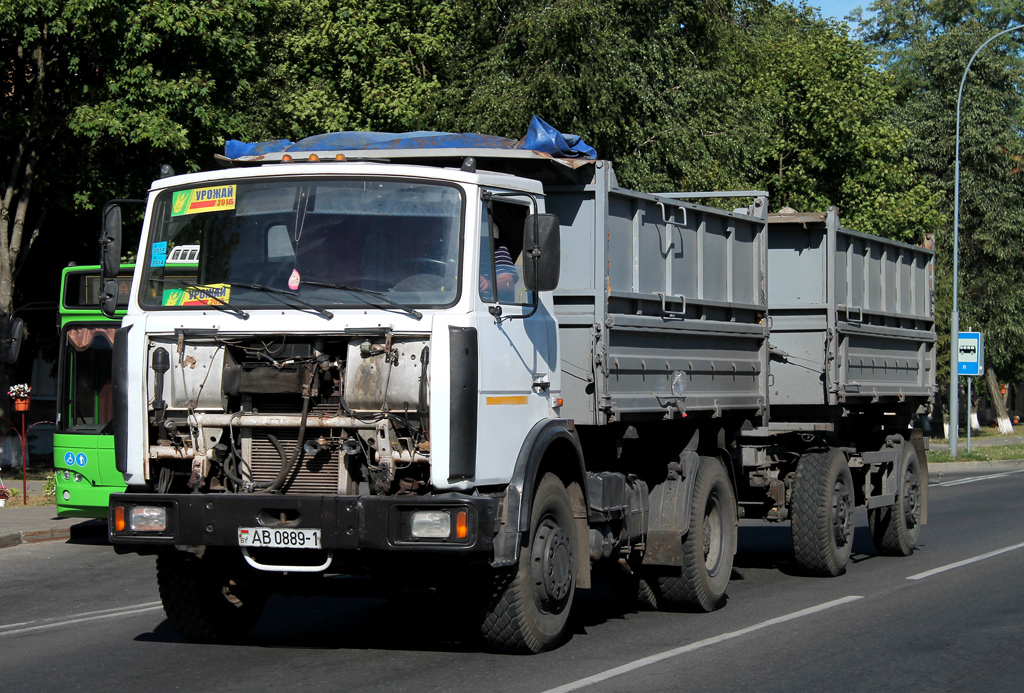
<point x="314" y="157"/>
<point x="286" y="158"/>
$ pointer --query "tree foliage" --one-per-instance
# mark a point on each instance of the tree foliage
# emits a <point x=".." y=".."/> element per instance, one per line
<point x="926" y="45"/>
<point x="350" y="65"/>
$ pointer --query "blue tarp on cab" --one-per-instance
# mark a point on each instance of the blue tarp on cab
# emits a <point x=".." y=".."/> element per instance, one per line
<point x="540" y="137"/>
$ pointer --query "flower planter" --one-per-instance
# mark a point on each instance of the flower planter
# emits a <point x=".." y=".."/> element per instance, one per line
<point x="21" y="404"/>
<point x="3" y="502"/>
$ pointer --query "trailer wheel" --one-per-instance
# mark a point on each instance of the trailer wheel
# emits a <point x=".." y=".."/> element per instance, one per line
<point x="708" y="547"/>
<point x="202" y="600"/>
<point x="526" y="609"/>
<point x="896" y="528"/>
<point x="822" y="511"/>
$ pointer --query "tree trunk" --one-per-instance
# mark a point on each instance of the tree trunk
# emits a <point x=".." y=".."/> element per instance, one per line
<point x="999" y="402"/>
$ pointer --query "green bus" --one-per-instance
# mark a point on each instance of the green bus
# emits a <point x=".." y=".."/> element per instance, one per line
<point x="83" y="442"/>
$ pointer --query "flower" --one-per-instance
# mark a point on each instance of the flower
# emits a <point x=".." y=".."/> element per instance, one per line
<point x="19" y="391"/>
<point x="4" y="493"/>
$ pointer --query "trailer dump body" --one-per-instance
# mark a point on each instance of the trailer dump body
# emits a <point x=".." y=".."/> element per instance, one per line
<point x="853" y="317"/>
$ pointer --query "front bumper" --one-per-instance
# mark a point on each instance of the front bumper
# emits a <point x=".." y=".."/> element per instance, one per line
<point x="347" y="523"/>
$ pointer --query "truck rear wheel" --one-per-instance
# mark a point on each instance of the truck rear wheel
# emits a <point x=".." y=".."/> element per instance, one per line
<point x="822" y="511"/>
<point x="896" y="528"/>
<point x="526" y="609"/>
<point x="708" y="547"/>
<point x="202" y="600"/>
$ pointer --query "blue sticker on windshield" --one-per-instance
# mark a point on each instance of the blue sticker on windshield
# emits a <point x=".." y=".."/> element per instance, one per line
<point x="159" y="258"/>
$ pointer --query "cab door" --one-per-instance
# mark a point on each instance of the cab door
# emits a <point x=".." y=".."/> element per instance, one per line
<point x="518" y="352"/>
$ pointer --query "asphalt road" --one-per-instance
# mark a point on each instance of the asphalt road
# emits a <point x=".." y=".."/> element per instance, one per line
<point x="950" y="617"/>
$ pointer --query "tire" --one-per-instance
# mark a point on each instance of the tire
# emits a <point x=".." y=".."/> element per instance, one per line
<point x="895" y="529"/>
<point x="822" y="513"/>
<point x="526" y="609"/>
<point x="708" y="547"/>
<point x="203" y="602"/>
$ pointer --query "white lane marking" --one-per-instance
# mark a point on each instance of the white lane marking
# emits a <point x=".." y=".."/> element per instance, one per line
<point x="966" y="561"/>
<point x="972" y="479"/>
<point x="668" y="654"/>
<point x="48" y="623"/>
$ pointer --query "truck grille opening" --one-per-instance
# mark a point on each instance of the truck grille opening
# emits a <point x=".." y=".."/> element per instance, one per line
<point x="317" y="474"/>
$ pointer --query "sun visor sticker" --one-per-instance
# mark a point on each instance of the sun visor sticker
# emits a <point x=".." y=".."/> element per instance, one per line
<point x="159" y="257"/>
<point x="211" y="294"/>
<point x="199" y="200"/>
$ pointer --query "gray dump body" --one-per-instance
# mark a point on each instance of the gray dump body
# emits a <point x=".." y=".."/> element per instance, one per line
<point x="660" y="306"/>
<point x="852" y="317"/>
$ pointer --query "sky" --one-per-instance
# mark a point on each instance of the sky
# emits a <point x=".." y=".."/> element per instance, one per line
<point x="838" y="9"/>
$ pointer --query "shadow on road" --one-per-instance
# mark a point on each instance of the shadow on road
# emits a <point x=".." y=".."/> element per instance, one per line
<point x="770" y="547"/>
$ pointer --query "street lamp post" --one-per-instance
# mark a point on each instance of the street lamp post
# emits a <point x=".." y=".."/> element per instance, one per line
<point x="954" y="318"/>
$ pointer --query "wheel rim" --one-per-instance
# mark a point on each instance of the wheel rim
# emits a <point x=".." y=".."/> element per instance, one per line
<point x="911" y="499"/>
<point x="552" y="566"/>
<point x="712" y="536"/>
<point x="842" y="514"/>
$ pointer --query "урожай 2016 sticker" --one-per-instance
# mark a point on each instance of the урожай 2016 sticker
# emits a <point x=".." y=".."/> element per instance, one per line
<point x="199" y="200"/>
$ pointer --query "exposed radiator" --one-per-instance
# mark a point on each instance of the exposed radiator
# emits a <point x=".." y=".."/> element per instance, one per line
<point x="318" y="474"/>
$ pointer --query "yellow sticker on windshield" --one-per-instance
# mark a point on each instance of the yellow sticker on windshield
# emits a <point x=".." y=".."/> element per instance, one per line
<point x="202" y="200"/>
<point x="211" y="294"/>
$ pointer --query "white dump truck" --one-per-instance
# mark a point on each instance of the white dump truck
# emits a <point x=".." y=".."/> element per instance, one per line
<point x="488" y="370"/>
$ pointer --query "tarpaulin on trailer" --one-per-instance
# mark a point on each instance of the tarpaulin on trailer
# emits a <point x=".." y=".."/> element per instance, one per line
<point x="540" y="137"/>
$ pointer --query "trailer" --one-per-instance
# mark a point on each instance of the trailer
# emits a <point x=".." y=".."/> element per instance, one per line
<point x="475" y="369"/>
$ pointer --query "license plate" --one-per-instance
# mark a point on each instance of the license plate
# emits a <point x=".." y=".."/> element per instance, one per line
<point x="264" y="537"/>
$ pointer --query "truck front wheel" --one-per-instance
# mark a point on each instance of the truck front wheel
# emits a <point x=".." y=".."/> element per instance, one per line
<point x="202" y="600"/>
<point x="708" y="547"/>
<point x="526" y="609"/>
<point x="895" y="529"/>
<point x="822" y="512"/>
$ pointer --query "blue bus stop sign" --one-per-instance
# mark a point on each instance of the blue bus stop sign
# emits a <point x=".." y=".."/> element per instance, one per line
<point x="970" y="359"/>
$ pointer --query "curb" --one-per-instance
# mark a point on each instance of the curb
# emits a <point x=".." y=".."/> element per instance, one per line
<point x="33" y="537"/>
<point x="81" y="530"/>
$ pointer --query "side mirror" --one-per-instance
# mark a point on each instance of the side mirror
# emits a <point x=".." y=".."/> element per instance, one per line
<point x="13" y="331"/>
<point x="542" y="247"/>
<point x="110" y="242"/>
<point x="108" y="297"/>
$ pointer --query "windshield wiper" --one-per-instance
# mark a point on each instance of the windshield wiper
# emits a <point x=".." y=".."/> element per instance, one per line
<point x="363" y="293"/>
<point x="221" y="304"/>
<point x="322" y="312"/>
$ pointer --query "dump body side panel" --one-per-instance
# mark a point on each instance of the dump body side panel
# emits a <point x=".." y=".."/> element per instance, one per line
<point x="660" y="305"/>
<point x="853" y="315"/>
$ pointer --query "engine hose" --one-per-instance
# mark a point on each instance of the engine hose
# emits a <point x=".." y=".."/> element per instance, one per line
<point x="226" y="466"/>
<point x="287" y="465"/>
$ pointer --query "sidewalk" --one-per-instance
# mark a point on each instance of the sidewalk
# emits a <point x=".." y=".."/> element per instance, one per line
<point x="28" y="525"/>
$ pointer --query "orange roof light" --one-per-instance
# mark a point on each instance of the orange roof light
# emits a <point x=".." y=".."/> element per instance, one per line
<point x="286" y="158"/>
<point x="314" y="157"/>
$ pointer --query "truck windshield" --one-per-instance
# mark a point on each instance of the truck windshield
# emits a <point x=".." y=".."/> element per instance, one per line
<point x="327" y="241"/>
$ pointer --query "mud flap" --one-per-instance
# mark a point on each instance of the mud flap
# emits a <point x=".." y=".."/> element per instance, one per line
<point x="670" y="513"/>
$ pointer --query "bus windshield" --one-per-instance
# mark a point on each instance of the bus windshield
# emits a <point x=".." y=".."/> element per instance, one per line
<point x="85" y="391"/>
<point x="331" y="241"/>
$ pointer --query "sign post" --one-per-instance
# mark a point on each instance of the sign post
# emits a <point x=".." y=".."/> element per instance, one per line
<point x="970" y="361"/>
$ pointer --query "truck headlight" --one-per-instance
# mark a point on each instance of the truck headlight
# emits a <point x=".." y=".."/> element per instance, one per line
<point x="147" y="519"/>
<point x="431" y="524"/>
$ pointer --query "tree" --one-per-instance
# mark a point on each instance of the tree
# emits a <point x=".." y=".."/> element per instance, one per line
<point x="831" y="135"/>
<point x="349" y="65"/>
<point x="97" y="94"/>
<point x="926" y="45"/>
